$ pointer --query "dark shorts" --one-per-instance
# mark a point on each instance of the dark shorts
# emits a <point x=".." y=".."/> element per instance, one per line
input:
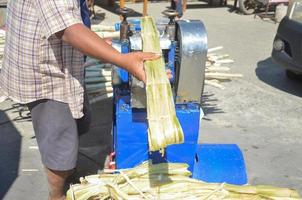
<point x="57" y="132"/>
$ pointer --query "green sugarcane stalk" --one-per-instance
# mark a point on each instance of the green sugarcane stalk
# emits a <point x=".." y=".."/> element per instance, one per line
<point x="164" y="128"/>
<point x="167" y="181"/>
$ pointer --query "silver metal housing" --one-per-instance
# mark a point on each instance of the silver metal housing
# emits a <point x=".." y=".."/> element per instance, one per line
<point x="190" y="70"/>
<point x="137" y="45"/>
<point x="190" y="63"/>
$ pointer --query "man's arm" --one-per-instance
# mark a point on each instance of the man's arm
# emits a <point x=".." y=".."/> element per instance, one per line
<point x="92" y="45"/>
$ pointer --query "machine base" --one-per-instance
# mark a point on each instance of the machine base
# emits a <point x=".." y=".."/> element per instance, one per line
<point x="220" y="163"/>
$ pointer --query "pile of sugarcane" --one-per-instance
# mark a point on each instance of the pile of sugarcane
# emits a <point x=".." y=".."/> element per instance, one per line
<point x="216" y="70"/>
<point x="98" y="80"/>
<point x="2" y="43"/>
<point x="166" y="181"/>
<point x="105" y="31"/>
<point x="98" y="75"/>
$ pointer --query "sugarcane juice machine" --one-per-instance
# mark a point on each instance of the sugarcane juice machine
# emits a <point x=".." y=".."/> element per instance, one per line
<point x="184" y="47"/>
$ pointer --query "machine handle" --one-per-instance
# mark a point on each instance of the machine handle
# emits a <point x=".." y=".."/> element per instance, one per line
<point x="170" y="13"/>
<point x="125" y="12"/>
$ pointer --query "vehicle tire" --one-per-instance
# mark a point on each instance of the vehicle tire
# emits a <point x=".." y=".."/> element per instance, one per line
<point x="292" y="75"/>
<point x="247" y="7"/>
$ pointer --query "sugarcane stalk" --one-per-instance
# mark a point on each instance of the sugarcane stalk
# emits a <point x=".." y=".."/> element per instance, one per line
<point x="133" y="185"/>
<point x="100" y="98"/>
<point x="215" y="49"/>
<point x="209" y="63"/>
<point x="222" y="75"/>
<point x="225" y="61"/>
<point x="214" y="57"/>
<point x="216" y="64"/>
<point x="90" y="87"/>
<point x="164" y="128"/>
<point x="213" y="83"/>
<point x="97" y="79"/>
<point x="102" y="28"/>
<point x="115" y="34"/>
<point x="91" y="62"/>
<point x="101" y="91"/>
<point x="101" y="72"/>
<point x="221" y="69"/>
<point x="168" y="181"/>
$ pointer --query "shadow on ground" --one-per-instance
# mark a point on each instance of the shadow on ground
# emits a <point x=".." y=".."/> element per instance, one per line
<point x="10" y="147"/>
<point x="98" y="17"/>
<point x="113" y="8"/>
<point x="93" y="150"/>
<point x="96" y="144"/>
<point x="209" y="105"/>
<point x="274" y="75"/>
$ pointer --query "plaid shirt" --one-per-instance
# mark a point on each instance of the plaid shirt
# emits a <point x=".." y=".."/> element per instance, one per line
<point x="38" y="65"/>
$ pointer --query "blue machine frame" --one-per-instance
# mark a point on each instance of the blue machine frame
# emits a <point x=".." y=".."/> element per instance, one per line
<point x="207" y="162"/>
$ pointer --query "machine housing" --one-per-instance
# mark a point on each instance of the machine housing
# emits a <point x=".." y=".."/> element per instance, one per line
<point x="184" y="45"/>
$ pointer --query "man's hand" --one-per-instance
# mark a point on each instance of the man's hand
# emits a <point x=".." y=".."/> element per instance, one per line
<point x="169" y="74"/>
<point x="108" y="41"/>
<point x="134" y="63"/>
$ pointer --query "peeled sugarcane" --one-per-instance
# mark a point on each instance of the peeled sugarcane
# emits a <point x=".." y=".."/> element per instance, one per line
<point x="214" y="83"/>
<point x="115" y="34"/>
<point x="215" y="49"/>
<point x="212" y="75"/>
<point x="101" y="91"/>
<point x="100" y="28"/>
<point x="214" y="57"/>
<point x="100" y="97"/>
<point x="166" y="181"/>
<point x="91" y="62"/>
<point x="164" y="127"/>
<point x="217" y="69"/>
<point x="97" y="79"/>
<point x="98" y="85"/>
<point x="225" y="61"/>
<point x="100" y="72"/>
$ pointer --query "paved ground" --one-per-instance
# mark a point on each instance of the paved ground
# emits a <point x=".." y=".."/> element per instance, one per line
<point x="260" y="112"/>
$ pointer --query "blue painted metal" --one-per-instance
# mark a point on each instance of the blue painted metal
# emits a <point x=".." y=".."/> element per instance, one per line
<point x="171" y="60"/>
<point x="207" y="162"/>
<point x="123" y="74"/>
<point x="131" y="141"/>
<point x="219" y="163"/>
<point x="134" y="25"/>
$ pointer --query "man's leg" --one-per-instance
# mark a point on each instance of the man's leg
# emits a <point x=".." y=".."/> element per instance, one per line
<point x="57" y="138"/>
<point x="56" y="181"/>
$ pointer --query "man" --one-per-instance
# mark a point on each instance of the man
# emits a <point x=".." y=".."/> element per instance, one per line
<point x="180" y="6"/>
<point x="43" y="67"/>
